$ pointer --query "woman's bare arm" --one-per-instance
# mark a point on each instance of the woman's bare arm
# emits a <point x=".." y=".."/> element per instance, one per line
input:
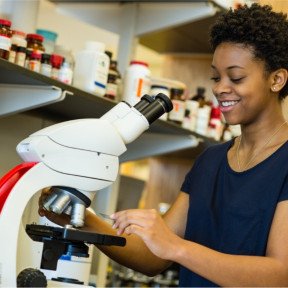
<point x="135" y="254"/>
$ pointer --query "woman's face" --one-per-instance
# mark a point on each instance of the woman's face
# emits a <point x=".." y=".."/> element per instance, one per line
<point x="241" y="85"/>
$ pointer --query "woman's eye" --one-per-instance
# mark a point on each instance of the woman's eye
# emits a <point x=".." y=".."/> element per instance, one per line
<point x="237" y="80"/>
<point x="215" y="79"/>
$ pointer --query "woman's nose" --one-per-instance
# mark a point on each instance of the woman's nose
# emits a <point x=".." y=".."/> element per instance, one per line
<point x="221" y="87"/>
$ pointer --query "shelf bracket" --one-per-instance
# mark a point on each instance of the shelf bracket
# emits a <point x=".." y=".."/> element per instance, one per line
<point x="18" y="98"/>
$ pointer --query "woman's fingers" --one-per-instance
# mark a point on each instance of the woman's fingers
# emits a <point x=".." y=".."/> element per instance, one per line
<point x="44" y="194"/>
<point x="136" y="217"/>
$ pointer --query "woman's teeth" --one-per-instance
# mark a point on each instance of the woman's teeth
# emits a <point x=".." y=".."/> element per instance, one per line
<point x="228" y="103"/>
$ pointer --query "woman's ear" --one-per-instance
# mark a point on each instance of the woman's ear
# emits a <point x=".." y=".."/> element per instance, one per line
<point x="279" y="79"/>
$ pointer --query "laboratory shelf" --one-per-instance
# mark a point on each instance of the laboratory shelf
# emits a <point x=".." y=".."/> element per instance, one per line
<point x="161" y="138"/>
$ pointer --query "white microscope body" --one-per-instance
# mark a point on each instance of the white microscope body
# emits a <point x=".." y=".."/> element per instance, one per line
<point x="78" y="158"/>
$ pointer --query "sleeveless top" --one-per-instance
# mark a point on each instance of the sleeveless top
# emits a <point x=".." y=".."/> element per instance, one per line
<point x="229" y="211"/>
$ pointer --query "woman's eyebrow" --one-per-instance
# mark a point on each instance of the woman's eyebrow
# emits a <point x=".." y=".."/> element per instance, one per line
<point x="228" y="68"/>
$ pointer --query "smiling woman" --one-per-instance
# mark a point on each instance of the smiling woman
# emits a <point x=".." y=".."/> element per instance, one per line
<point x="250" y="79"/>
<point x="228" y="225"/>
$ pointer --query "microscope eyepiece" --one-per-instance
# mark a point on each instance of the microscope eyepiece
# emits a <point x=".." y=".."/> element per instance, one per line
<point x="161" y="104"/>
<point x="144" y="102"/>
<point x="165" y="100"/>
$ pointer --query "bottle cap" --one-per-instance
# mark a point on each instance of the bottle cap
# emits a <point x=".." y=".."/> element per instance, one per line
<point x="56" y="60"/>
<point x="5" y="22"/>
<point x="109" y="54"/>
<point x="45" y="56"/>
<point x="177" y="91"/>
<point x="135" y="62"/>
<point x="47" y="34"/>
<point x="35" y="36"/>
<point x="215" y="112"/>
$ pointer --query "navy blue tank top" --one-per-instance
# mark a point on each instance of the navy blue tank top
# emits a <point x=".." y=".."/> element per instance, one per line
<point x="229" y="211"/>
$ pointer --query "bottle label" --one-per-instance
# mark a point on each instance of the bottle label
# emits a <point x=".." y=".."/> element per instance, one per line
<point x="46" y="69"/>
<point x="142" y="86"/>
<point x="20" y="58"/>
<point x="38" y="51"/>
<point x="34" y="65"/>
<point x="54" y="73"/>
<point x="12" y="56"/>
<point x="5" y="43"/>
<point x="65" y="75"/>
<point x="178" y="112"/>
<point x="101" y="74"/>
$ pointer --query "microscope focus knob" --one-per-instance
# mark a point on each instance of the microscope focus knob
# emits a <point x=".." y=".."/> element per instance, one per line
<point x="31" y="277"/>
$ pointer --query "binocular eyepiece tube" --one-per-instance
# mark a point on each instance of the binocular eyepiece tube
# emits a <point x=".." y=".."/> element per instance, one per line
<point x="154" y="107"/>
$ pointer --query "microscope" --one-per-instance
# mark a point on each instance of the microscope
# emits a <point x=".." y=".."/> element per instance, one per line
<point x="74" y="159"/>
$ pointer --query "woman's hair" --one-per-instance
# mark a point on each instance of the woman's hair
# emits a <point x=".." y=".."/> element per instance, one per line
<point x="260" y="28"/>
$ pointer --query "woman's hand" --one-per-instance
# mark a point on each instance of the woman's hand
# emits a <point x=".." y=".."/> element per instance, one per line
<point x="150" y="226"/>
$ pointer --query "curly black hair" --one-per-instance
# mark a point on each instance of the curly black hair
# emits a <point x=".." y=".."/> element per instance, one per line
<point x="260" y="28"/>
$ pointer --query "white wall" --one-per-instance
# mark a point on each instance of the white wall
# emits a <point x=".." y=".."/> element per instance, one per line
<point x="73" y="33"/>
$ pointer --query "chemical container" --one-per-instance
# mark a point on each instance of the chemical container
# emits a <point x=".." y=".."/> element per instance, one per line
<point x="91" y="68"/>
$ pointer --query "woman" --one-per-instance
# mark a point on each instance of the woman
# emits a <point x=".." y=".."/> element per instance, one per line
<point x="229" y="224"/>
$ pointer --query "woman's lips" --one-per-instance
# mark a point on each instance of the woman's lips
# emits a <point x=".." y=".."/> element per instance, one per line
<point x="227" y="105"/>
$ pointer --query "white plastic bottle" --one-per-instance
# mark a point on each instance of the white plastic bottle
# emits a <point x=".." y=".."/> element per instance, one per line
<point x="65" y="74"/>
<point x="136" y="82"/>
<point x="91" y="68"/>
